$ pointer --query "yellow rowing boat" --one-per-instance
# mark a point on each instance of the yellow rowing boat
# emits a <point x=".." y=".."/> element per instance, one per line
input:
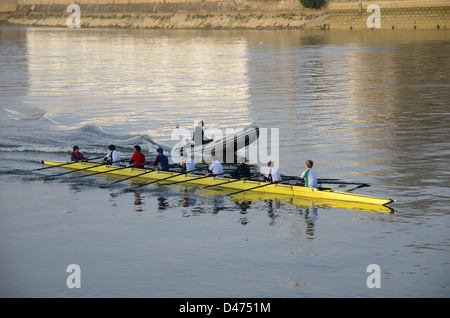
<point x="247" y="186"/>
<point x="307" y="202"/>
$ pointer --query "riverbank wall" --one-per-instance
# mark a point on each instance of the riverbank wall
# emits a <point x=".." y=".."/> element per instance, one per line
<point x="400" y="14"/>
<point x="172" y="14"/>
<point x="211" y="14"/>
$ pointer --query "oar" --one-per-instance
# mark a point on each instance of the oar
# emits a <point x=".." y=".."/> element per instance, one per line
<point x="63" y="164"/>
<point x="203" y="177"/>
<point x="60" y="174"/>
<point x="138" y="175"/>
<point x="264" y="185"/>
<point x="127" y="178"/>
<point x="172" y="176"/>
<point x="226" y="182"/>
<point x="337" y="181"/>
<point x="359" y="186"/>
<point x="327" y="181"/>
<point x="106" y="171"/>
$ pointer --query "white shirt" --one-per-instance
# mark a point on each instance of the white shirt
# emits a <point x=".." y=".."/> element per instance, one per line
<point x="276" y="177"/>
<point x="115" y="157"/>
<point x="312" y="178"/>
<point x="216" y="168"/>
<point x="190" y="165"/>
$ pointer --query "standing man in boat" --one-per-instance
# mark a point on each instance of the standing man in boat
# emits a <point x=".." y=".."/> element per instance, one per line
<point x="77" y="155"/>
<point x="309" y="176"/>
<point x="272" y="175"/>
<point x="199" y="135"/>
<point x="161" y="160"/>
<point x="113" y="156"/>
<point x="138" y="158"/>
<point x="215" y="168"/>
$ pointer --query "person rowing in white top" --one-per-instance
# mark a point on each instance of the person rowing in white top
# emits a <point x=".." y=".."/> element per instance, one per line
<point x="272" y="175"/>
<point x="215" y="168"/>
<point x="309" y="176"/>
<point x="113" y="156"/>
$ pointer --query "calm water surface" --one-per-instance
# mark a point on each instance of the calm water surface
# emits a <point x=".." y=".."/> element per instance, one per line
<point x="369" y="107"/>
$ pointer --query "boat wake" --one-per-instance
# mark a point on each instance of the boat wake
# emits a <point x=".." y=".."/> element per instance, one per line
<point x="90" y="138"/>
<point x="32" y="115"/>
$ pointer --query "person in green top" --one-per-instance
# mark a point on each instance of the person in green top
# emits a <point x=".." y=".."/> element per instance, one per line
<point x="309" y="176"/>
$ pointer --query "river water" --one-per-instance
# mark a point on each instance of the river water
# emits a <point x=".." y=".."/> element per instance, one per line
<point x="369" y="107"/>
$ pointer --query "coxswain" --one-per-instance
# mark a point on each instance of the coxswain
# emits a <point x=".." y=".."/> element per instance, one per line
<point x="113" y="156"/>
<point x="161" y="160"/>
<point x="138" y="158"/>
<point x="309" y="176"/>
<point x="77" y="155"/>
<point x="272" y="175"/>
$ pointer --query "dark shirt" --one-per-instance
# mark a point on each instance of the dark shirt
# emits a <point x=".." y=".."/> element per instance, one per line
<point x="163" y="162"/>
<point x="199" y="136"/>
<point x="242" y="171"/>
<point x="77" y="157"/>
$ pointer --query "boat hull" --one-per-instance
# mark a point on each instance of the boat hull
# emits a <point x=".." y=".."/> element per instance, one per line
<point x="199" y="180"/>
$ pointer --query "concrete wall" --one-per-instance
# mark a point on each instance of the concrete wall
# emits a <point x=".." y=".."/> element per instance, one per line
<point x="95" y="2"/>
<point x="177" y="14"/>
<point x="338" y="15"/>
<point x="150" y="6"/>
<point x="399" y="14"/>
<point x="8" y="5"/>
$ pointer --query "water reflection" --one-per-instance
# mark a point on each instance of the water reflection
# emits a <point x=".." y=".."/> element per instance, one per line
<point x="138" y="202"/>
<point x="358" y="103"/>
<point x="15" y="76"/>
<point x="243" y="206"/>
<point x="188" y="201"/>
<point x="162" y="203"/>
<point x="310" y="215"/>
<point x="161" y="73"/>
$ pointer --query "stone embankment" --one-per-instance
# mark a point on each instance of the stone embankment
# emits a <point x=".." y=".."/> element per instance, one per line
<point x="392" y="14"/>
<point x="282" y="14"/>
<point x="243" y="14"/>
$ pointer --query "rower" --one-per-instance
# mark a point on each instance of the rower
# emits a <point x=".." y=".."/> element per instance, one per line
<point x="138" y="158"/>
<point x="309" y="176"/>
<point x="161" y="160"/>
<point x="187" y="164"/>
<point x="77" y="155"/>
<point x="272" y="175"/>
<point x="113" y="156"/>
<point x="215" y="167"/>
<point x="242" y="171"/>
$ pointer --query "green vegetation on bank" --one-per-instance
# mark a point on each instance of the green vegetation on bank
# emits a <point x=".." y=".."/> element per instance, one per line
<point x="313" y="4"/>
